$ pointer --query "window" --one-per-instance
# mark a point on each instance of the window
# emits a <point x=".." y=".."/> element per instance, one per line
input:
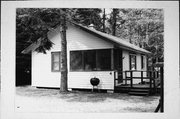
<point x="90" y="60"/>
<point x="76" y="63"/>
<point x="142" y="61"/>
<point x="103" y="59"/>
<point x="132" y="60"/>
<point x="55" y="60"/>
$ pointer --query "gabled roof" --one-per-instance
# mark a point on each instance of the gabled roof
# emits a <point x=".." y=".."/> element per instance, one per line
<point x="113" y="39"/>
<point x="109" y="38"/>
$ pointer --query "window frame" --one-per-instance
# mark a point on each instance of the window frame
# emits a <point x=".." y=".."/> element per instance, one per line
<point x="84" y="53"/>
<point x="143" y="62"/>
<point x="99" y="58"/>
<point x="83" y="61"/>
<point x="52" y="61"/>
<point x="130" y="61"/>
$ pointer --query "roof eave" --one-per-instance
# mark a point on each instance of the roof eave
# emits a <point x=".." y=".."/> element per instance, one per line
<point x="31" y="47"/>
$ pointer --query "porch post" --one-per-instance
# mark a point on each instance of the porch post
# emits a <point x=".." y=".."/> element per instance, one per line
<point x="162" y="89"/>
<point x="125" y="77"/>
<point x="112" y="65"/>
<point x="141" y="77"/>
<point x="150" y="83"/>
<point x="112" y="59"/>
<point x="131" y="77"/>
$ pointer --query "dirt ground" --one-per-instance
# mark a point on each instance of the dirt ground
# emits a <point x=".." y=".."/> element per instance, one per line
<point x="31" y="99"/>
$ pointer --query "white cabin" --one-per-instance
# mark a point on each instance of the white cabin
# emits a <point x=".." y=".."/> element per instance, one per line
<point x="90" y="53"/>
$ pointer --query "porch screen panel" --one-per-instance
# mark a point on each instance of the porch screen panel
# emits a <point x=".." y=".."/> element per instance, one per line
<point x="76" y="61"/>
<point x="104" y="59"/>
<point x="55" y="61"/>
<point x="90" y="60"/>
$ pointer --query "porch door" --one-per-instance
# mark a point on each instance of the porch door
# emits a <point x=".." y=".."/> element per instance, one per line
<point x="118" y="64"/>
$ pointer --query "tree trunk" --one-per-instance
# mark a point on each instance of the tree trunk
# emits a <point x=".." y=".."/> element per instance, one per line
<point x="104" y="19"/>
<point x="115" y="12"/>
<point x="64" y="85"/>
<point x="139" y="40"/>
<point x="147" y="34"/>
<point x="130" y="34"/>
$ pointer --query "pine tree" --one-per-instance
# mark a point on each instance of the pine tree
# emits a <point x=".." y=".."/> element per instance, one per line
<point x="35" y="23"/>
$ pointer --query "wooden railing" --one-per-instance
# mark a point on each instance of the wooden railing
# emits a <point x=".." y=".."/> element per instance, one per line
<point x="151" y="75"/>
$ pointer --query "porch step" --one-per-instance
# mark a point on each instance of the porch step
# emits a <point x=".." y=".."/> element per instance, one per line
<point x="140" y="92"/>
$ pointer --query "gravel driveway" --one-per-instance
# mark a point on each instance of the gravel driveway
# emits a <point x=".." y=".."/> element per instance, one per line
<point x="31" y="99"/>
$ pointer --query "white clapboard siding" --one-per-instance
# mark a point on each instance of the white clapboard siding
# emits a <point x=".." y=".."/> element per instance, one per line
<point x="42" y="76"/>
<point x="80" y="40"/>
<point x="125" y="60"/>
<point x="82" y="79"/>
<point x="41" y="71"/>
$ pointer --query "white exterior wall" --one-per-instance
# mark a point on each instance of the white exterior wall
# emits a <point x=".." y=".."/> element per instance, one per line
<point x="76" y="40"/>
<point x="41" y="71"/>
<point x="42" y="76"/>
<point x="138" y="66"/>
<point x="125" y="60"/>
<point x="82" y="79"/>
